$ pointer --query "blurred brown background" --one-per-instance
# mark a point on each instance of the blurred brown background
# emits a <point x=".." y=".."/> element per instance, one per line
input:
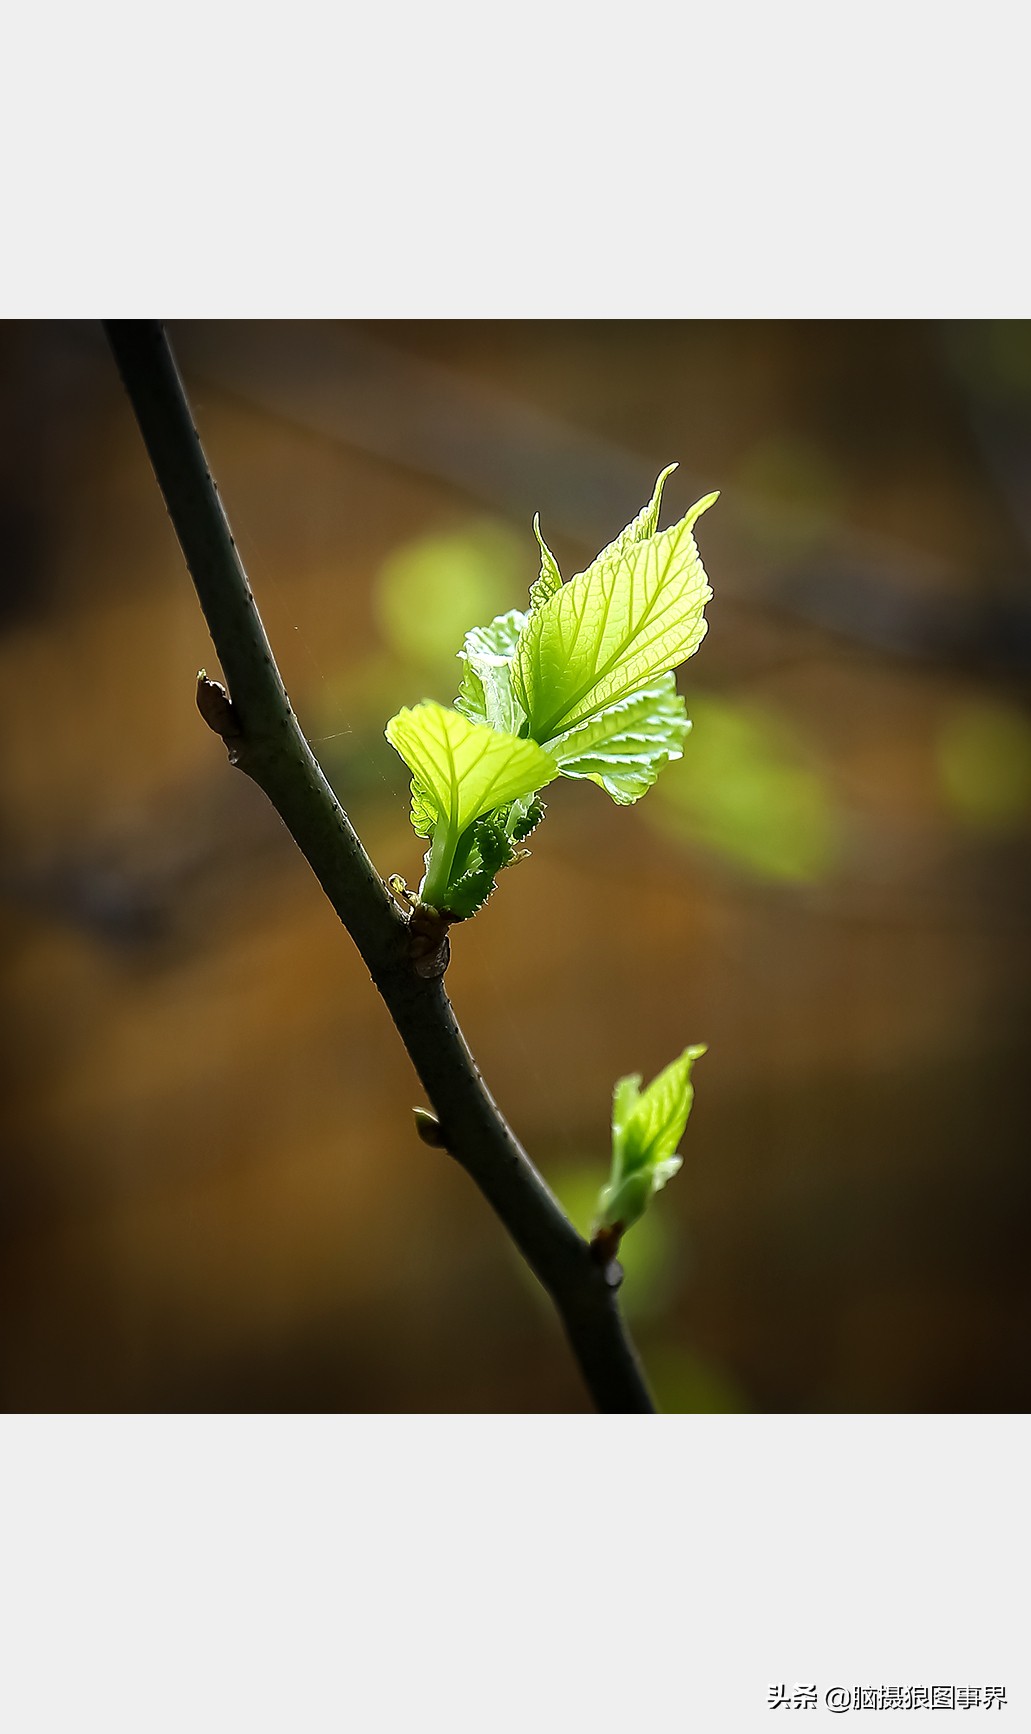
<point x="211" y="1195"/>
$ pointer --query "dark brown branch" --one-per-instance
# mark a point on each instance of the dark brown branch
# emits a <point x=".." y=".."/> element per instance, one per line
<point x="263" y="738"/>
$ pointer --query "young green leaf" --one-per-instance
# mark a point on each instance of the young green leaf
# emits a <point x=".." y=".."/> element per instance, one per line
<point x="424" y="809"/>
<point x="639" y="528"/>
<point x="647" y="1126"/>
<point x="624" y="747"/>
<point x="486" y="849"/>
<point x="485" y="694"/>
<point x="462" y="770"/>
<point x="550" y="578"/>
<point x="489" y="845"/>
<point x="523" y="818"/>
<point x="610" y="631"/>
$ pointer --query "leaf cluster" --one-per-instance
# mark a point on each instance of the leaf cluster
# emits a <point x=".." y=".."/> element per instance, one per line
<point x="580" y="685"/>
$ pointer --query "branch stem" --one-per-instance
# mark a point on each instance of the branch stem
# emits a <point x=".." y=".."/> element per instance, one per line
<point x="266" y="742"/>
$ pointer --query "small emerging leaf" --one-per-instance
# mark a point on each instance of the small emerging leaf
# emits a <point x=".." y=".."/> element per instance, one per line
<point x="624" y="747"/>
<point x="647" y="1126"/>
<point x="629" y="618"/>
<point x="489" y="845"/>
<point x="488" y="848"/>
<point x="550" y="578"/>
<point x="424" y="809"/>
<point x="639" y="528"/>
<point x="524" y="816"/>
<point x="486" y="695"/>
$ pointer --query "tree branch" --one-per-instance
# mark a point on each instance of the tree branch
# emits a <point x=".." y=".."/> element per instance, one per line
<point x="263" y="739"/>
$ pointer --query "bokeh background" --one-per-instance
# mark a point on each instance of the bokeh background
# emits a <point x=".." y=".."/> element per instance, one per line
<point x="211" y="1194"/>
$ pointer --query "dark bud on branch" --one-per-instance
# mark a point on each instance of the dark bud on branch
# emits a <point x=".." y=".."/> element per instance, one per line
<point x="216" y="707"/>
<point x="429" y="1128"/>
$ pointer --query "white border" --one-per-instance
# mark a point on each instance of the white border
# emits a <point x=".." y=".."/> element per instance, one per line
<point x="406" y="161"/>
<point x="501" y="1573"/>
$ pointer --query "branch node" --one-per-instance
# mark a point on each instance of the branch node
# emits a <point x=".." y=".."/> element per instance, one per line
<point x="428" y="944"/>
<point x="604" y="1247"/>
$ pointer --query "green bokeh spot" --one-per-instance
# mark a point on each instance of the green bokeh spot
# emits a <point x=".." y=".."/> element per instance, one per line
<point x="984" y="764"/>
<point x="686" y="1383"/>
<point x="429" y="592"/>
<point x="746" y="788"/>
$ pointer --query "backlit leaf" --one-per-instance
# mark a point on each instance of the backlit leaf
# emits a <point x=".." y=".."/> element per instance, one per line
<point x="624" y="747"/>
<point x="550" y="578"/>
<point x="647" y="1126"/>
<point x="485" y="694"/>
<point x="613" y="629"/>
<point x="464" y="769"/>
<point x="639" y="528"/>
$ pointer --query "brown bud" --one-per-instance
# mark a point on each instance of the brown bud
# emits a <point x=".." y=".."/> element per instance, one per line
<point x="216" y="707"/>
<point x="428" y="944"/>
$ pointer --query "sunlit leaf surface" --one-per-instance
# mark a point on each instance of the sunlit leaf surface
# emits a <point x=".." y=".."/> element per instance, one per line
<point x="464" y="769"/>
<point x="612" y="629"/>
<point x="647" y="1126"/>
<point x="624" y="747"/>
<point x="485" y="694"/>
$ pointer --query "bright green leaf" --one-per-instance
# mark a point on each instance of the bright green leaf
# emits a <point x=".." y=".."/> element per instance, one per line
<point x="612" y="629"/>
<point x="624" y="747"/>
<point x="647" y="1126"/>
<point x="465" y="769"/>
<point x="486" y="695"/>
<point x="462" y="771"/>
<point x="424" y="809"/>
<point x="550" y="578"/>
<point x="639" y="528"/>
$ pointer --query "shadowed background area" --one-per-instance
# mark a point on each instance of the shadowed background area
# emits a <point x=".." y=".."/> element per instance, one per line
<point x="211" y="1193"/>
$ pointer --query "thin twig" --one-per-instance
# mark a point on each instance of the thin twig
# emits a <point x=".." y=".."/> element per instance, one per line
<point x="263" y="738"/>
